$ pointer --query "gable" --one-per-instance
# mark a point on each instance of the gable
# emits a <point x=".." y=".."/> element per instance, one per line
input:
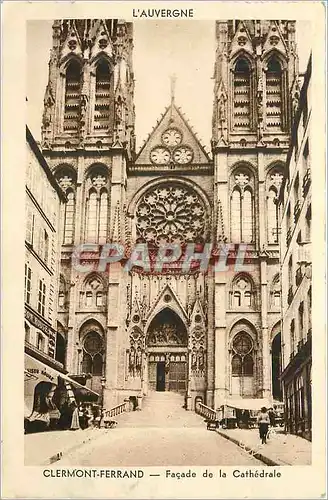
<point x="172" y="142"/>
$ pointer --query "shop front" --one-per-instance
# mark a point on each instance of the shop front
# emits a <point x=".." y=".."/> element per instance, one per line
<point x="51" y="397"/>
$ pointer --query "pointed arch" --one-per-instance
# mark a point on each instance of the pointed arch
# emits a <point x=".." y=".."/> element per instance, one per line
<point x="235" y="215"/>
<point x="167" y="328"/>
<point x="97" y="204"/>
<point x="276" y="361"/>
<point x="103" y="94"/>
<point x="92" y="344"/>
<point x="242" y="293"/>
<point x="242" y="92"/>
<point x="90" y="324"/>
<point x="242" y="204"/>
<point x="73" y="87"/>
<point x="276" y="91"/>
<point x="167" y="296"/>
<point x="69" y="217"/>
<point x="93" y="292"/>
<point x="242" y="358"/>
<point x="92" y="213"/>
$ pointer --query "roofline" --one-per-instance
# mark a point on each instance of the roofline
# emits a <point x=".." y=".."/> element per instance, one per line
<point x="42" y="161"/>
<point x="184" y="119"/>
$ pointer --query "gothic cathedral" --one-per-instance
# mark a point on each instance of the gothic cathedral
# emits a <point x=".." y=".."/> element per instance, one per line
<point x="212" y="334"/>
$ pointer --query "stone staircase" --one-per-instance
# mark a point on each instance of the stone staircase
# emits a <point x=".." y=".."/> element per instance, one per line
<point x="161" y="409"/>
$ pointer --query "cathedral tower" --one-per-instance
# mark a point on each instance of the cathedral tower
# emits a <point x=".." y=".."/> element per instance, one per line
<point x="88" y="138"/>
<point x="213" y="336"/>
<point x="256" y="70"/>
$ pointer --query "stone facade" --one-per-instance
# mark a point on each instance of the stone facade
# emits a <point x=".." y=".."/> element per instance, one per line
<point x="207" y="333"/>
<point x="42" y="258"/>
<point x="297" y="270"/>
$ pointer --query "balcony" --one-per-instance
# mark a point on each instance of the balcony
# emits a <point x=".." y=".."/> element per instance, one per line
<point x="290" y="295"/>
<point x="306" y="182"/>
<point x="289" y="236"/>
<point x="299" y="276"/>
<point x="297" y="211"/>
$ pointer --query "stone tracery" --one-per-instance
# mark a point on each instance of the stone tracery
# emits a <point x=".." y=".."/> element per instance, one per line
<point x="198" y="352"/>
<point x="170" y="213"/>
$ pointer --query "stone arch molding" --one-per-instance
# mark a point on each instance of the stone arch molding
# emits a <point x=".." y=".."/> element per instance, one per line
<point x="157" y="182"/>
<point x="88" y="324"/>
<point x="167" y="330"/>
<point x="275" y="330"/>
<point x="162" y="303"/>
<point x="243" y="324"/>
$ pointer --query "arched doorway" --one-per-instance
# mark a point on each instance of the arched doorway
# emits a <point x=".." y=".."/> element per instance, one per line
<point x="167" y="346"/>
<point x="276" y="367"/>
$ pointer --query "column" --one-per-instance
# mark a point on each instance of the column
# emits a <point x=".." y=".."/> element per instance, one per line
<point x="79" y="204"/>
<point x="266" y="361"/>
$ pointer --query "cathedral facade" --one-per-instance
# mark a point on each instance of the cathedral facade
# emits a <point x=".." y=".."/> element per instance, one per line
<point x="210" y="332"/>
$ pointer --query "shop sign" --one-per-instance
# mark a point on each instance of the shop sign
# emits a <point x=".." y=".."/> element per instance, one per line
<point x="30" y="316"/>
<point x="36" y="371"/>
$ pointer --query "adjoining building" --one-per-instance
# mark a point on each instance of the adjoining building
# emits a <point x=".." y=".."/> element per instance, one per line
<point x="45" y="344"/>
<point x="295" y="198"/>
<point x="213" y="336"/>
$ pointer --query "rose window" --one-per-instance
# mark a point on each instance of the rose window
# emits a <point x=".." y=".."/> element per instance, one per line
<point x="170" y="214"/>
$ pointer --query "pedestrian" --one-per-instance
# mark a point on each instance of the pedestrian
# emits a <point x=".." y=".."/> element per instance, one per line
<point x="263" y="420"/>
<point x="39" y="420"/>
<point x="81" y="416"/>
<point x="246" y="417"/>
<point x="75" y="417"/>
<point x="272" y="416"/>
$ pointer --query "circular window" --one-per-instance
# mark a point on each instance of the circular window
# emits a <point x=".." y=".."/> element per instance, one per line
<point x="136" y="318"/>
<point x="93" y="343"/>
<point x="242" y="344"/>
<point x="172" y="137"/>
<point x="198" y="318"/>
<point x="167" y="298"/>
<point x="171" y="213"/>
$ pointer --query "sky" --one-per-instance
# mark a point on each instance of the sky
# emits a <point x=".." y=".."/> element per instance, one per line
<point x="185" y="49"/>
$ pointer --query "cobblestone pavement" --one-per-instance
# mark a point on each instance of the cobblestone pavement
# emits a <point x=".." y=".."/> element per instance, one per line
<point x="161" y="434"/>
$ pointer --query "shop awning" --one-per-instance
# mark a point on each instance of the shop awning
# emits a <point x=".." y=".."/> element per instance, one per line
<point x="36" y="370"/>
<point x="81" y="389"/>
<point x="248" y="404"/>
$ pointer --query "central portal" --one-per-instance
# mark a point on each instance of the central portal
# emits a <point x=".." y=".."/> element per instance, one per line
<point x="167" y="343"/>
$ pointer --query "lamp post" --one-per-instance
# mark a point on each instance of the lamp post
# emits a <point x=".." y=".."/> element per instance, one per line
<point x="103" y="384"/>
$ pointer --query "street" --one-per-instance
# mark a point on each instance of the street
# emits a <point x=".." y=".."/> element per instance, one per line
<point x="161" y="434"/>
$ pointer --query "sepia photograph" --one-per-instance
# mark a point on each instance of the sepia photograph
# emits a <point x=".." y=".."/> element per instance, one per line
<point x="168" y="282"/>
<point x="163" y="266"/>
